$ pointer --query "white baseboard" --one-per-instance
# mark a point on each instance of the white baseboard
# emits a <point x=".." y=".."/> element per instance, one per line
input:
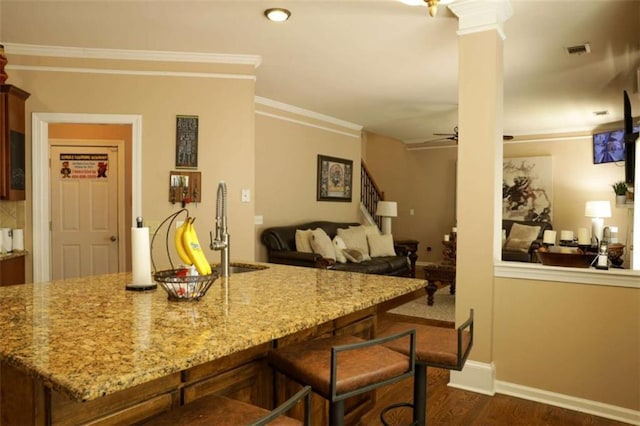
<point x="479" y="377"/>
<point x="570" y="402"/>
<point x="476" y="377"/>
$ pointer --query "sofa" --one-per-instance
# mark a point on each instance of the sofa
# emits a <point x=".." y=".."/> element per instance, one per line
<point x="280" y="242"/>
<point x="521" y="245"/>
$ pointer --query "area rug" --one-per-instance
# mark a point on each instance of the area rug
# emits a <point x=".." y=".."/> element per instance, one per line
<point x="443" y="308"/>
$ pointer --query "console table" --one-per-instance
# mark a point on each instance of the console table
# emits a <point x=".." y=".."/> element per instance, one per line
<point x="409" y="248"/>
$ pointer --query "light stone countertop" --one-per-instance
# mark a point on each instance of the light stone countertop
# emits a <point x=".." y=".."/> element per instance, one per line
<point x="90" y="337"/>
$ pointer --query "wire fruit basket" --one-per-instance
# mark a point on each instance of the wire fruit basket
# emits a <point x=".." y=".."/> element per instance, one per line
<point x="177" y="282"/>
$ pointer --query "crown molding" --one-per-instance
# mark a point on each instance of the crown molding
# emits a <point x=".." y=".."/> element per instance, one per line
<point x="306" y="113"/>
<point x="482" y="15"/>
<point x="130" y="55"/>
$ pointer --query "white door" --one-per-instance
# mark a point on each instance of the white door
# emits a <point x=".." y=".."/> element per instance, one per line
<point x="84" y="211"/>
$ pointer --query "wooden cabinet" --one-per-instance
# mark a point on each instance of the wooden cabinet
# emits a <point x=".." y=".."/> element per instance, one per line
<point x="12" y="271"/>
<point x="12" y="142"/>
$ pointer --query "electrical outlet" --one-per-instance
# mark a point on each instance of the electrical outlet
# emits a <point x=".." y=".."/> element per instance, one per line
<point x="258" y="220"/>
<point x="246" y="195"/>
<point x="411" y="212"/>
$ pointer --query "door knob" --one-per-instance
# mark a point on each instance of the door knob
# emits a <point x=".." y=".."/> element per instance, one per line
<point x="113" y="238"/>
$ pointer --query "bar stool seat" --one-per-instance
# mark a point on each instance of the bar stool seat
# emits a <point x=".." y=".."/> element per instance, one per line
<point x="435" y="347"/>
<point x="339" y="367"/>
<point x="222" y="411"/>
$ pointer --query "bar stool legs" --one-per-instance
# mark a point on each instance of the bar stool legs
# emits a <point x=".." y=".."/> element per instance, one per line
<point x="435" y="347"/>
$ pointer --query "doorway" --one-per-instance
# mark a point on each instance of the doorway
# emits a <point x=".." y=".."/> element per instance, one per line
<point x="42" y="182"/>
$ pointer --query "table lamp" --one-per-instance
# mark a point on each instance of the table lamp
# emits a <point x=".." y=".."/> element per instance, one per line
<point x="386" y="210"/>
<point x="597" y="211"/>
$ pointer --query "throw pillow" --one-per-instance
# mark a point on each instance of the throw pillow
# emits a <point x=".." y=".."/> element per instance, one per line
<point x="321" y="244"/>
<point x="381" y="245"/>
<point x="339" y="245"/>
<point x="521" y="236"/>
<point x="303" y="240"/>
<point x="355" y="238"/>
<point x="354" y="256"/>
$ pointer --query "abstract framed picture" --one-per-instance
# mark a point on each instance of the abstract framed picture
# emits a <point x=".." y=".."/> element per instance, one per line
<point x="335" y="176"/>
<point x="527" y="189"/>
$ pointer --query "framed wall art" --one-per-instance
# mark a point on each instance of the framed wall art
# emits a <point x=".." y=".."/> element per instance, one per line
<point x="527" y="189"/>
<point x="187" y="141"/>
<point x="335" y="176"/>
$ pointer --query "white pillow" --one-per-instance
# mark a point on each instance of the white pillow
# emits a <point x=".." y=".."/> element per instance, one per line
<point x="339" y="245"/>
<point x="521" y="236"/>
<point x="356" y="239"/>
<point x="352" y="255"/>
<point x="303" y="240"/>
<point x="321" y="244"/>
<point x="381" y="245"/>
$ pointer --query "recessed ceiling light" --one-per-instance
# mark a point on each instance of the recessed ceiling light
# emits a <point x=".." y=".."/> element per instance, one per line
<point x="277" y="14"/>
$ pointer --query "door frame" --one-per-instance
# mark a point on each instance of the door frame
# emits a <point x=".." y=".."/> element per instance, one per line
<point x="41" y="182"/>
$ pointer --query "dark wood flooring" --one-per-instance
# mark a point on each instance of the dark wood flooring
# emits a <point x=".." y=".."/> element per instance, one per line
<point x="448" y="406"/>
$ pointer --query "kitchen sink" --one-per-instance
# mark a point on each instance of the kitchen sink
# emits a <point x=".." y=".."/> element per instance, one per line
<point x="238" y="269"/>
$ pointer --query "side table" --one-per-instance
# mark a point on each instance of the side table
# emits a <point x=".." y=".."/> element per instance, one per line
<point x="444" y="273"/>
<point x="408" y="248"/>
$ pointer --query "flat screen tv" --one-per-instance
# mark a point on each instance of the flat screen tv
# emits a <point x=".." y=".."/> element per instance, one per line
<point x="609" y="146"/>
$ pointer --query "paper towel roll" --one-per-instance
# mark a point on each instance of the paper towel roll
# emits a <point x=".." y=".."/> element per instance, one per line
<point x="18" y="239"/>
<point x="140" y="258"/>
<point x="7" y="240"/>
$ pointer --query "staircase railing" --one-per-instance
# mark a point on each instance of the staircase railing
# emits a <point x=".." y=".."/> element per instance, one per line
<point x="370" y="193"/>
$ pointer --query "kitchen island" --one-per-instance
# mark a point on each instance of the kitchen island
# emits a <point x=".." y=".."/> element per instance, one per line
<point x="86" y="350"/>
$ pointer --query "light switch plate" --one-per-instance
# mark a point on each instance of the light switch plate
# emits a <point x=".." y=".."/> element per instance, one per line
<point x="246" y="195"/>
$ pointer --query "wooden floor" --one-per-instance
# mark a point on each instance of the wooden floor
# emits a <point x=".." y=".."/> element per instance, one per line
<point x="449" y="406"/>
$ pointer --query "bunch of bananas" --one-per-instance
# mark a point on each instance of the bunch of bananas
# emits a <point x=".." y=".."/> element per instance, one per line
<point x="188" y="247"/>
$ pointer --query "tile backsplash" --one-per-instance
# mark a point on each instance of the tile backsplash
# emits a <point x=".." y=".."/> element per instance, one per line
<point x="12" y="214"/>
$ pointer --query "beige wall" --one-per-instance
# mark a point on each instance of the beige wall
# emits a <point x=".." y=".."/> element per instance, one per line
<point x="574" y="339"/>
<point x="287" y="149"/>
<point x="226" y="130"/>
<point x="422" y="180"/>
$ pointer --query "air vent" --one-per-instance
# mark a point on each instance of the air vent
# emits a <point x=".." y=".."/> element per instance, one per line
<point x="578" y="49"/>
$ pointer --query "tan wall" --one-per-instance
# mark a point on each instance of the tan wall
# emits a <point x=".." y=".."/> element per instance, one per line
<point x="286" y="171"/>
<point x="573" y="339"/>
<point x="226" y="132"/>
<point x="422" y="180"/>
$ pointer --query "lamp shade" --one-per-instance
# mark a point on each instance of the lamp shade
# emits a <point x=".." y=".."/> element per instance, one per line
<point x="387" y="209"/>
<point x="597" y="209"/>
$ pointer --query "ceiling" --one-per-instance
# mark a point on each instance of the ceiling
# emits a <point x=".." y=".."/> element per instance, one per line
<point x="378" y="63"/>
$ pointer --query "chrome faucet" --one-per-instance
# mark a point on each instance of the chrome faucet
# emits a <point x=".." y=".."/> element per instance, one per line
<point x="221" y="240"/>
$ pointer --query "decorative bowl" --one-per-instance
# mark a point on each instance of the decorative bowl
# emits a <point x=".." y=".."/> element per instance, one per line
<point x="182" y="287"/>
<point x="572" y="260"/>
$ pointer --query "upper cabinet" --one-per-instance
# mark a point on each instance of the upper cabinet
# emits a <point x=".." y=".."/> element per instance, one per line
<point x="12" y="142"/>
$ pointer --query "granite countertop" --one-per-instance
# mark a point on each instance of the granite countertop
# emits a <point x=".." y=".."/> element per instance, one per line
<point x="90" y="337"/>
<point x="13" y="254"/>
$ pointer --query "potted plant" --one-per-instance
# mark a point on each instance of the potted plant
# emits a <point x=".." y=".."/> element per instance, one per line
<point x="620" y="188"/>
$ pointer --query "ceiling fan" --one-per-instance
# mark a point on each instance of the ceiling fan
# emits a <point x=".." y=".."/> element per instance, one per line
<point x="454" y="136"/>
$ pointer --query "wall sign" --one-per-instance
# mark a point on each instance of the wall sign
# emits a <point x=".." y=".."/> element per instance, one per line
<point x="187" y="141"/>
<point x="84" y="166"/>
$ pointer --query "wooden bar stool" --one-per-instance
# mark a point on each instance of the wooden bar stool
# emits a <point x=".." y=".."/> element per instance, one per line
<point x="340" y="367"/>
<point x="435" y="347"/>
<point x="222" y="411"/>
